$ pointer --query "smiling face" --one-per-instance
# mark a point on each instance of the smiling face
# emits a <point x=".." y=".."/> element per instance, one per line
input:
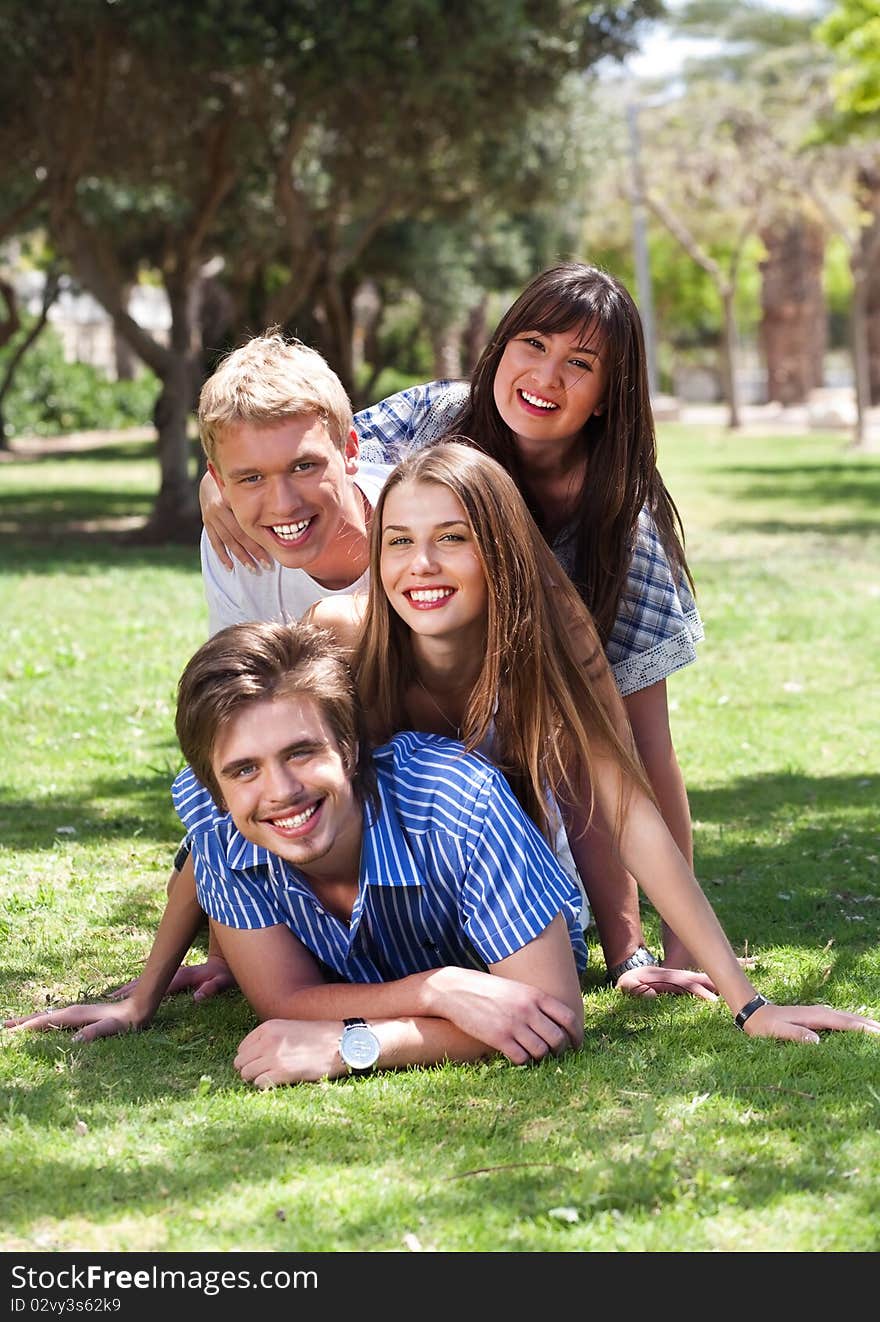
<point x="430" y="566"/>
<point x="284" y="782"/>
<point x="547" y="385"/>
<point x="290" y="487"/>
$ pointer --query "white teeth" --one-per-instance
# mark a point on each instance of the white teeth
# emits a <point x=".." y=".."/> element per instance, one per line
<point x="429" y="594"/>
<point x="290" y="531"/>
<point x="537" y="402"/>
<point x="290" y="823"/>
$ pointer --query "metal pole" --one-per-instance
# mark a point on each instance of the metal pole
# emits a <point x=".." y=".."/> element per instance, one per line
<point x="640" y="245"/>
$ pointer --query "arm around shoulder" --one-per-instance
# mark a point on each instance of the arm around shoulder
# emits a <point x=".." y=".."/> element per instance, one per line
<point x="341" y="616"/>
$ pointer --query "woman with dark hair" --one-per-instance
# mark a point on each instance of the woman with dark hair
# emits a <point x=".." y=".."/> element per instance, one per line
<point x="560" y="399"/>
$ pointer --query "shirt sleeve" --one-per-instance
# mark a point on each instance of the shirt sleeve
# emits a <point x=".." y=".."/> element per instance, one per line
<point x="658" y="624"/>
<point x="239" y="894"/>
<point x="514" y="886"/>
<point x="407" y="421"/>
<point x="221" y="588"/>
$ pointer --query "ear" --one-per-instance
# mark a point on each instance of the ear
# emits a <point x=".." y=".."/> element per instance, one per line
<point x="598" y="410"/>
<point x="352" y="451"/>
<point x="215" y="473"/>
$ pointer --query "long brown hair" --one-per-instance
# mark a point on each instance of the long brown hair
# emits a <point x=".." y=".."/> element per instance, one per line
<point x="621" y="444"/>
<point x="544" y="687"/>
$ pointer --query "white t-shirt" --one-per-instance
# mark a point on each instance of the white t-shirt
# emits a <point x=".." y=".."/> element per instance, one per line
<point x="237" y="595"/>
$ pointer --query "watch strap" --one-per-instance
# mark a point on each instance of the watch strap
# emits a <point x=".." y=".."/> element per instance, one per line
<point x="639" y="959"/>
<point x="749" y="1009"/>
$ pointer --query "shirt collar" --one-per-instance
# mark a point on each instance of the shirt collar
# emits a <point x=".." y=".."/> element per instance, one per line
<point x="384" y="843"/>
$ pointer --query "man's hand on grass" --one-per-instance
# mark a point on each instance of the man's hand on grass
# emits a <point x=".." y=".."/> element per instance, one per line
<point x="91" y="1020"/>
<point x="204" y="980"/>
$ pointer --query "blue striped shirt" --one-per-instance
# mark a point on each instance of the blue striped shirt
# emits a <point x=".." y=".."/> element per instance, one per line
<point x="657" y="625"/>
<point x="452" y="870"/>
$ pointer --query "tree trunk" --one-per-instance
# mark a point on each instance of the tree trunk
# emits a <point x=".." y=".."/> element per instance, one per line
<point x="175" y="516"/>
<point x="859" y="333"/>
<point x="728" y="360"/>
<point x="337" y="324"/>
<point x="446" y="344"/>
<point x="793" y="320"/>
<point x="869" y="199"/>
<point x="475" y="335"/>
<point x="51" y="286"/>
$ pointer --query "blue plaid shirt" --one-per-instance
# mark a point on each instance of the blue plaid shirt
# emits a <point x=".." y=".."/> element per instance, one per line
<point x="453" y="873"/>
<point x="658" y="624"/>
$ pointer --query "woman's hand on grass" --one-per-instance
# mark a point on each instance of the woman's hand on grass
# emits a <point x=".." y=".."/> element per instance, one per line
<point x="657" y="980"/>
<point x="91" y="1021"/>
<point x="802" y="1023"/>
<point x="225" y="533"/>
<point x="205" y="980"/>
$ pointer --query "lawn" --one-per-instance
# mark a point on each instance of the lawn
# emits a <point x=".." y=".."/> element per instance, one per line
<point x="669" y="1132"/>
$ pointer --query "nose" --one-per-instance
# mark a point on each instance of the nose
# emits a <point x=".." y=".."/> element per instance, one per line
<point x="424" y="559"/>
<point x="282" y="495"/>
<point x="282" y="784"/>
<point x="548" y="372"/>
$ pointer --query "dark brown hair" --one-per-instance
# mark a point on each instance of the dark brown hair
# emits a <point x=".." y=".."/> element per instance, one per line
<point x="621" y="445"/>
<point x="248" y="663"/>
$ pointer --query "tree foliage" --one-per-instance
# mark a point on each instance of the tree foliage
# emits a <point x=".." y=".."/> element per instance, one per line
<point x="852" y="32"/>
<point x="269" y="146"/>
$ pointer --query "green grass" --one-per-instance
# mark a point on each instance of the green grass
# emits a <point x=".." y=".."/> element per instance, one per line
<point x="669" y="1131"/>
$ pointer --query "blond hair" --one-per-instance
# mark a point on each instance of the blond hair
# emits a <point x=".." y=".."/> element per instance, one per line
<point x="268" y="380"/>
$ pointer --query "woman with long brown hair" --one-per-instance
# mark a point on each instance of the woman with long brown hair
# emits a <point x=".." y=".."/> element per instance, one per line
<point x="470" y="631"/>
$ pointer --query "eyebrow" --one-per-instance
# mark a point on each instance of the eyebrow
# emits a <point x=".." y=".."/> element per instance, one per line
<point x="248" y="469"/>
<point x="584" y="348"/>
<point x="299" y="746"/>
<point x="447" y="523"/>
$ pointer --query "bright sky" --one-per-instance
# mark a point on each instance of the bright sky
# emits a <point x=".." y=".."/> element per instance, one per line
<point x="661" y="54"/>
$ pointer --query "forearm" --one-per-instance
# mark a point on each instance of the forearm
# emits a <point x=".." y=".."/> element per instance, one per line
<point x="179" y="925"/>
<point x="418" y="995"/>
<point x="648" y="712"/>
<point x="611" y="891"/>
<point x="283" y="1051"/>
<point x="668" y="785"/>
<point x="425" y="1041"/>
<point x="665" y="876"/>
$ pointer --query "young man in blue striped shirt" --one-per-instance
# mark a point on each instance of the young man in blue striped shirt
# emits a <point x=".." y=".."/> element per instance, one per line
<point x="405" y="886"/>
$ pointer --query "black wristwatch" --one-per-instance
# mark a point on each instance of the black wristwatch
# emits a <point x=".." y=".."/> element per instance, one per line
<point x="640" y="958"/>
<point x="358" y="1046"/>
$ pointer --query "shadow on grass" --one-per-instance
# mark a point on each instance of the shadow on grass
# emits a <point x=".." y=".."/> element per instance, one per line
<point x="79" y="517"/>
<point x="33" y="825"/>
<point x="444" y="1125"/>
<point x="807" y="486"/>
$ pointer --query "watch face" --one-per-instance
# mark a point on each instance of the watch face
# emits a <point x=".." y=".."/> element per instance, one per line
<point x="359" y="1047"/>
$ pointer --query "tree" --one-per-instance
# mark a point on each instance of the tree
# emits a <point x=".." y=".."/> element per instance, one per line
<point x="271" y="143"/>
<point x="706" y="181"/>
<point x="852" y="32"/>
<point x="773" y="54"/>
